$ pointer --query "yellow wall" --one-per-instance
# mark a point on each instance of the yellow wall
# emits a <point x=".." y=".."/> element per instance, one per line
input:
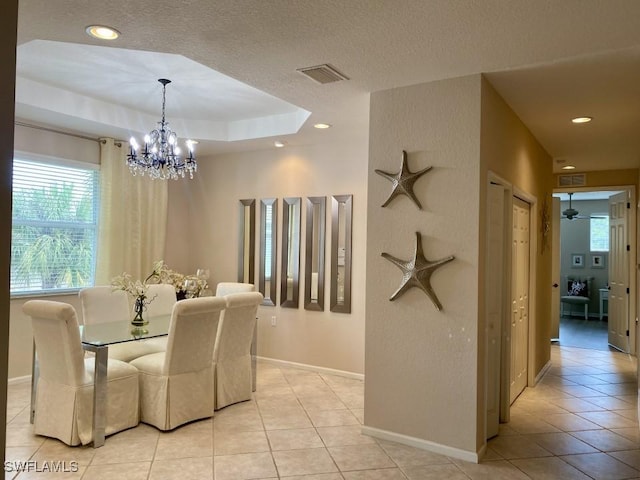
<point x="604" y="178"/>
<point x="509" y="150"/>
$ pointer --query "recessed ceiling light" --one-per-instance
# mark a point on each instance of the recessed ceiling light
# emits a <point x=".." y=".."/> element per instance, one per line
<point x="581" y="119"/>
<point x="322" y="125"/>
<point x="568" y="167"/>
<point x="102" y="32"/>
<point x="279" y="144"/>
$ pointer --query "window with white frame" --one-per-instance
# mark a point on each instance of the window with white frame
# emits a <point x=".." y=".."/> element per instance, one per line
<point x="54" y="228"/>
<point x="599" y="232"/>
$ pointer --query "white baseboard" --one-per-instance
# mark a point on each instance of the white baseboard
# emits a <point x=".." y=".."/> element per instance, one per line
<point x="19" y="380"/>
<point x="453" y="452"/>
<point x="312" y="368"/>
<point x="542" y="372"/>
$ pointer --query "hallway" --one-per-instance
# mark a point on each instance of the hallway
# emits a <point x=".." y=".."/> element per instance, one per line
<point x="579" y="422"/>
<point x="581" y="333"/>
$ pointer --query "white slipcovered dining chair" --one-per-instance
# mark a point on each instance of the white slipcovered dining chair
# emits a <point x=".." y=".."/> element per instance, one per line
<point x="103" y="304"/>
<point x="225" y="288"/>
<point x="64" y="396"/>
<point x="176" y="386"/>
<point x="163" y="298"/>
<point x="233" y="382"/>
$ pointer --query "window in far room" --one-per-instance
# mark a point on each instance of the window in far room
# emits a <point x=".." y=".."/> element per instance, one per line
<point x="55" y="212"/>
<point x="599" y="232"/>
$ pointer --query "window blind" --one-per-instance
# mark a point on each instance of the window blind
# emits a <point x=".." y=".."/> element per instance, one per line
<point x="54" y="227"/>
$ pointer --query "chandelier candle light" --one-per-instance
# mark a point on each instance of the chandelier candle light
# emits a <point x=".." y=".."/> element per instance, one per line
<point x="160" y="156"/>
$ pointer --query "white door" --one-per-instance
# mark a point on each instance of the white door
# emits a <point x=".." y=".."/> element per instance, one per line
<point x="519" y="298"/>
<point x="555" y="269"/>
<point x="494" y="302"/>
<point x="618" y="272"/>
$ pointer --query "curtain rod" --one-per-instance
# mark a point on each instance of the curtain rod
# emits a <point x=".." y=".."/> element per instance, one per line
<point x="77" y="135"/>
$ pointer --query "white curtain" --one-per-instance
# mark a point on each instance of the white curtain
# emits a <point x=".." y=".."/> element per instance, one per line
<point x="133" y="217"/>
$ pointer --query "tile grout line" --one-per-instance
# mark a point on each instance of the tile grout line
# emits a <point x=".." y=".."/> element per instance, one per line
<point x="603" y="410"/>
<point x="306" y="412"/>
<point x="264" y="428"/>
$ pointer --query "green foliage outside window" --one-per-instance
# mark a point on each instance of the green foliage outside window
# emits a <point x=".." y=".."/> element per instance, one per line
<point x="54" y="227"/>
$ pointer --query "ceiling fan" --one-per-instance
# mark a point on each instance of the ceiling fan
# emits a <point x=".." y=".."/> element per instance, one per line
<point x="571" y="213"/>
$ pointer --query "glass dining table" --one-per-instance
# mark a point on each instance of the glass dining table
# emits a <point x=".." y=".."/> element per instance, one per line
<point x="97" y="338"/>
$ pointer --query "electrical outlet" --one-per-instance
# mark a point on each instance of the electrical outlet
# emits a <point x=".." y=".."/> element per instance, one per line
<point x="273" y="321"/>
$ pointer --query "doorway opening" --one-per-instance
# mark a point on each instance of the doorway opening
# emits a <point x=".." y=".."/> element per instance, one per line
<point x="592" y="269"/>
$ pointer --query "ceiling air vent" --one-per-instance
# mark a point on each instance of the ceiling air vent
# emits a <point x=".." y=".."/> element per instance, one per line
<point x="577" y="180"/>
<point x="323" y="74"/>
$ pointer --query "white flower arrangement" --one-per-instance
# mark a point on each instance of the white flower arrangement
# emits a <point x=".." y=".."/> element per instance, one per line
<point x="138" y="290"/>
<point x="135" y="288"/>
<point x="183" y="284"/>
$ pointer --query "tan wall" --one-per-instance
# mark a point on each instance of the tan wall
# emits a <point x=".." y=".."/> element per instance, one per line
<point x="509" y="150"/>
<point x="203" y="232"/>
<point x="42" y="142"/>
<point x="421" y="364"/>
<point x="50" y="144"/>
<point x="21" y="334"/>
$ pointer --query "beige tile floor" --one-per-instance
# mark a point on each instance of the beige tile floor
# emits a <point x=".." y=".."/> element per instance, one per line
<point x="580" y="422"/>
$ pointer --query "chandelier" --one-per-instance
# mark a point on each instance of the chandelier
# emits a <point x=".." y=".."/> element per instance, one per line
<point x="160" y="157"/>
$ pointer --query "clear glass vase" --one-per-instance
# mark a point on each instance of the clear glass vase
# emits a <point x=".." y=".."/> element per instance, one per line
<point x="138" y="319"/>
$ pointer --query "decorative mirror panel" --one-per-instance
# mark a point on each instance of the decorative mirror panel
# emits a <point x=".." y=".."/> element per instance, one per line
<point x="246" y="241"/>
<point x="267" y="283"/>
<point x="314" y="254"/>
<point x="290" y="266"/>
<point x="341" y="213"/>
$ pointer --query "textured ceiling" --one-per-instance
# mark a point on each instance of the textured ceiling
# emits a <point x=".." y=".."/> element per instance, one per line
<point x="551" y="60"/>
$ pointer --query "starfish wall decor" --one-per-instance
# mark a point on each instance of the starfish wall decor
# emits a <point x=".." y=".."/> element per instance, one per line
<point x="417" y="272"/>
<point x="403" y="181"/>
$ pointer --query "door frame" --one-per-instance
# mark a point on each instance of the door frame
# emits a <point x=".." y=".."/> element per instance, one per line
<point x="634" y="254"/>
<point x="494" y="285"/>
<point x="556" y="281"/>
<point x="505" y="362"/>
